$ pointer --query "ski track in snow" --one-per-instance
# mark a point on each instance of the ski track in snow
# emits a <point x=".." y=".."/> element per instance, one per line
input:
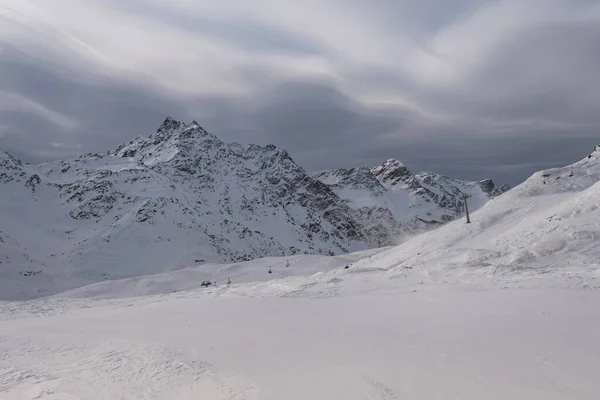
<point x="114" y="370"/>
<point x="99" y="369"/>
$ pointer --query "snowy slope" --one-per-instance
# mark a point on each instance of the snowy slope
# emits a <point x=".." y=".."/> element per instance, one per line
<point x="416" y="321"/>
<point x="218" y="274"/>
<point x="549" y="226"/>
<point x="175" y="199"/>
<point x="391" y="195"/>
<point x="544" y="232"/>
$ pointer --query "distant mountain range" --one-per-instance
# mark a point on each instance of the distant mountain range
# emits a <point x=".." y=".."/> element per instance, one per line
<point x="181" y="197"/>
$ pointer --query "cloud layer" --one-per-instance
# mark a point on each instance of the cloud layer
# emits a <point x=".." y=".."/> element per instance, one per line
<point x="473" y="88"/>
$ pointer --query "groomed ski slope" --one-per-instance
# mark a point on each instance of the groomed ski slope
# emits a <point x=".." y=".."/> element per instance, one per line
<point x="503" y="308"/>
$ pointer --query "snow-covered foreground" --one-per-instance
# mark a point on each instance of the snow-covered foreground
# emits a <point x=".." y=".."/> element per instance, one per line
<point x="435" y="343"/>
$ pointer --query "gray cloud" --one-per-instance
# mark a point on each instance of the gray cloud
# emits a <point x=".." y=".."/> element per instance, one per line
<point x="245" y="33"/>
<point x="478" y="89"/>
<point x="105" y="113"/>
<point x="542" y="72"/>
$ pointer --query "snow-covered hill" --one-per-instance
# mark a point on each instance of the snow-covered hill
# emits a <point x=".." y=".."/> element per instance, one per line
<point x="177" y="198"/>
<point x="547" y="228"/>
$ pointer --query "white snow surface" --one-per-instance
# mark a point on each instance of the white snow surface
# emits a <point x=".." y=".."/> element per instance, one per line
<point x="503" y="308"/>
<point x="438" y="343"/>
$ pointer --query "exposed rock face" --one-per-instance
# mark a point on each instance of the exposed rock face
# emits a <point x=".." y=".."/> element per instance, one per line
<point x="391" y="173"/>
<point x="161" y="202"/>
<point x="10" y="168"/>
<point x="403" y="202"/>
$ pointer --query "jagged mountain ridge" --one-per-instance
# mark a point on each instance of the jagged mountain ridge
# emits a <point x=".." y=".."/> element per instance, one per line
<point x="414" y="201"/>
<point x="178" y="197"/>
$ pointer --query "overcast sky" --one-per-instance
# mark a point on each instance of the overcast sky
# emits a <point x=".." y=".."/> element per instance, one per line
<point x="469" y="88"/>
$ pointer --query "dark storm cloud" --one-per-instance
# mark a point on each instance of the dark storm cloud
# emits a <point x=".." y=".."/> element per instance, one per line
<point x="540" y="72"/>
<point x="326" y="129"/>
<point x="104" y="113"/>
<point x="322" y="127"/>
<point x="305" y="115"/>
<point x="507" y="160"/>
<point x="473" y="89"/>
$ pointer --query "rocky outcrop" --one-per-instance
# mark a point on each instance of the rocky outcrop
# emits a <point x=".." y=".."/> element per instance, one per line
<point x="399" y="202"/>
<point x="181" y="194"/>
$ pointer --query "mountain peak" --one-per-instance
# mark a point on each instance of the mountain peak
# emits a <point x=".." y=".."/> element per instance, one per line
<point x="165" y="141"/>
<point x="171" y="128"/>
<point x="393" y="163"/>
<point x="4" y="154"/>
<point x="169" y="124"/>
<point x="6" y="159"/>
<point x="391" y="172"/>
<point x="10" y="167"/>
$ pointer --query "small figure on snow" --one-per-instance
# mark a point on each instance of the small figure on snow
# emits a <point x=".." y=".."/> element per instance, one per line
<point x="270" y="271"/>
<point x="228" y="281"/>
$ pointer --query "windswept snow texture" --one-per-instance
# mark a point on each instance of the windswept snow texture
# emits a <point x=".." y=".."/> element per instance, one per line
<point x="178" y="198"/>
<point x="433" y="344"/>
<point x="503" y="308"/>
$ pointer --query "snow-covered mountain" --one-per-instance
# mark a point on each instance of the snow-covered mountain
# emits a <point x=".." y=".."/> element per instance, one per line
<point x="502" y="308"/>
<point x="182" y="197"/>
<point x="393" y="196"/>
<point x="542" y="234"/>
<point x="545" y="230"/>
